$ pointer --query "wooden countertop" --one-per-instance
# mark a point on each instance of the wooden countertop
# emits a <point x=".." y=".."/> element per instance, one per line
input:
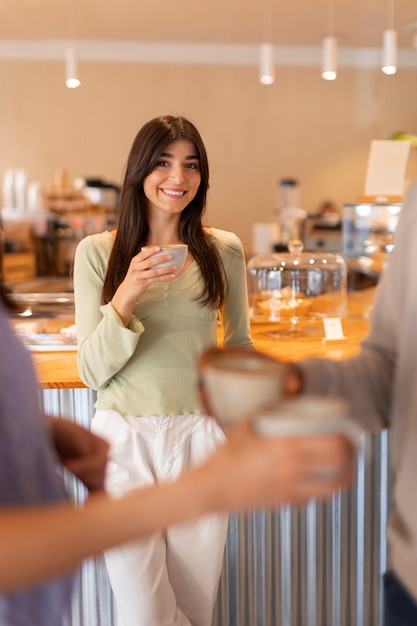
<point x="58" y="370"/>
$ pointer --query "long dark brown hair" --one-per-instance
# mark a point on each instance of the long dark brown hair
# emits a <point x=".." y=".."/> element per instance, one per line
<point x="133" y="228"/>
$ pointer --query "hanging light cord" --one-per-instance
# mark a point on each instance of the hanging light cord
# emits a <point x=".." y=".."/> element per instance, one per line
<point x="391" y="15"/>
<point x="331" y="17"/>
<point x="268" y="21"/>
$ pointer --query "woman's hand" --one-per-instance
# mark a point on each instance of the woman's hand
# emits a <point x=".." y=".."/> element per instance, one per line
<point x="141" y="273"/>
<point x="80" y="452"/>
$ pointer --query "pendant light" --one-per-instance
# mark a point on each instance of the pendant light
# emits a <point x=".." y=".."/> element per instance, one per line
<point x="71" y="68"/>
<point x="389" y="44"/>
<point x="329" y="49"/>
<point x="71" y="58"/>
<point x="267" y="51"/>
<point x="329" y="58"/>
<point x="267" y="64"/>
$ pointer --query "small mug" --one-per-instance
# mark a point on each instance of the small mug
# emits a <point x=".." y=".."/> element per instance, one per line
<point x="177" y="250"/>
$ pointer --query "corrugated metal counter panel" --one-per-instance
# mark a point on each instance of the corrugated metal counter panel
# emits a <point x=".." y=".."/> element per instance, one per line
<point x="319" y="565"/>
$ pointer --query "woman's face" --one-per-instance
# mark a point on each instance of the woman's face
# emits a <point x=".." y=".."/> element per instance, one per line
<point x="175" y="180"/>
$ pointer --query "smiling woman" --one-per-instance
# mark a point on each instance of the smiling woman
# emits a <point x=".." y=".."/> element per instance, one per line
<point x="141" y="324"/>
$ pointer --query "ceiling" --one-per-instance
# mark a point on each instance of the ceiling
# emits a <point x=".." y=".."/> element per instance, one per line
<point x="356" y="23"/>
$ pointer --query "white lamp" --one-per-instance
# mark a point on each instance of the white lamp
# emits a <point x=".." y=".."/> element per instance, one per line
<point x="389" y="45"/>
<point x="329" y="58"/>
<point x="329" y="48"/>
<point x="267" y="64"/>
<point x="389" y="52"/>
<point x="71" y="71"/>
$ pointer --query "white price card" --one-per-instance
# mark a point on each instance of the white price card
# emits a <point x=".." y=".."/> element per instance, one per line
<point x="333" y="328"/>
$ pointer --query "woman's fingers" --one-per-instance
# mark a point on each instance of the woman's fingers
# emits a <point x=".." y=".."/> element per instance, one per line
<point x="147" y="267"/>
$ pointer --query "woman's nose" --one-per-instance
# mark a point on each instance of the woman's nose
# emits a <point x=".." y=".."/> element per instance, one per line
<point x="176" y="173"/>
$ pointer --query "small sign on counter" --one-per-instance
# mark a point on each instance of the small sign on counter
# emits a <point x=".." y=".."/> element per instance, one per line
<point x="333" y="330"/>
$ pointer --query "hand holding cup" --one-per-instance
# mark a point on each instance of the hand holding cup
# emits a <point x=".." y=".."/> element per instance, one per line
<point x="177" y="251"/>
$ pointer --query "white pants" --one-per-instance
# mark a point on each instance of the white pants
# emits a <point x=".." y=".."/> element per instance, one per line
<point x="171" y="578"/>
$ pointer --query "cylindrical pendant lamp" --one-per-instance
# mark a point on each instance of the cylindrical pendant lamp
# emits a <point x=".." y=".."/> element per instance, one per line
<point x="267" y="64"/>
<point x="329" y="58"/>
<point x="71" y="69"/>
<point x="389" y="52"/>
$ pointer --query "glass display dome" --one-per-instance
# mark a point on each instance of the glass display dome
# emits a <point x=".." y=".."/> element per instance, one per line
<point x="296" y="286"/>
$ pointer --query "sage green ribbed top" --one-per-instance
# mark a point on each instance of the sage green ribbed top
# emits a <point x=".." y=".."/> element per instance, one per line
<point x="149" y="367"/>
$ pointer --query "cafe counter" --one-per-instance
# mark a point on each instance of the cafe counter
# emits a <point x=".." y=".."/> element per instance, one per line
<point x="58" y="370"/>
<point x="318" y="565"/>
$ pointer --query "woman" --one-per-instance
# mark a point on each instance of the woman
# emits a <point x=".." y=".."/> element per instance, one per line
<point x="140" y="329"/>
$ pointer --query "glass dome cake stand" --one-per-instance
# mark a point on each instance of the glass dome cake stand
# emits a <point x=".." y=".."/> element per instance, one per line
<point x="294" y="291"/>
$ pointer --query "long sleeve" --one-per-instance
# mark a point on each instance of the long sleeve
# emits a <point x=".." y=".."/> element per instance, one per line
<point x="104" y="344"/>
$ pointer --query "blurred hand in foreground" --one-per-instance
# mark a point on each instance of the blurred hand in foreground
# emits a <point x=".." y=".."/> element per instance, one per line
<point x="267" y="471"/>
<point x="80" y="452"/>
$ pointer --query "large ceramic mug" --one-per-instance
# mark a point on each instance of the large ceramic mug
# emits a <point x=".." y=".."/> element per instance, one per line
<point x="237" y="383"/>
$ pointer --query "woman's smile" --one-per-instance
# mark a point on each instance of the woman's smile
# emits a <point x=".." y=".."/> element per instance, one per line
<point x="174" y="193"/>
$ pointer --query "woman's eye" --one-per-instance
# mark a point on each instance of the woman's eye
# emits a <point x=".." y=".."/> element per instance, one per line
<point x="162" y="164"/>
<point x="192" y="166"/>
